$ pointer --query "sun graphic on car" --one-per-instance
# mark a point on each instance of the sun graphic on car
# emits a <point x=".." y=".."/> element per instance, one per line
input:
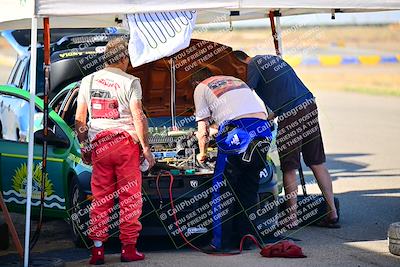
<point x="20" y="177"/>
<point x="19" y="183"/>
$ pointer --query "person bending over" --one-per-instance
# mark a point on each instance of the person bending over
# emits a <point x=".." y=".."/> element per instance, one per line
<point x="243" y="140"/>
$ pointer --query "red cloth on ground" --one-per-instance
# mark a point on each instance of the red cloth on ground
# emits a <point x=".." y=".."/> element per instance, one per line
<point x="282" y="249"/>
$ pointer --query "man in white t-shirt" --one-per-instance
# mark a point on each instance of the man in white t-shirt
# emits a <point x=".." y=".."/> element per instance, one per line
<point x="243" y="141"/>
<point x="111" y="142"/>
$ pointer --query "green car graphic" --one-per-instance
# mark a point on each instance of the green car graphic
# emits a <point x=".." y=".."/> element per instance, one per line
<point x="63" y="156"/>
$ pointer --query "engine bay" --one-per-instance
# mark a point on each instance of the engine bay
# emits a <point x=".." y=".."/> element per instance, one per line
<point x="175" y="151"/>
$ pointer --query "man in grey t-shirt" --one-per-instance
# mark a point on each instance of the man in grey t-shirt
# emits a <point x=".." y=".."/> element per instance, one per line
<point x="243" y="141"/>
<point x="116" y="129"/>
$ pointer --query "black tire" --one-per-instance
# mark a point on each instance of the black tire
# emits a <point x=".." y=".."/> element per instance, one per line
<point x="78" y="224"/>
<point x="394" y="238"/>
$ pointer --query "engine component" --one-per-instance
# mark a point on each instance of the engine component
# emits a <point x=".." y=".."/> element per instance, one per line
<point x="157" y="139"/>
<point x="176" y="150"/>
<point x="164" y="154"/>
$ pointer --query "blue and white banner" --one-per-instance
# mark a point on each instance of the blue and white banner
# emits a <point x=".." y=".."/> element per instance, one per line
<point x="160" y="34"/>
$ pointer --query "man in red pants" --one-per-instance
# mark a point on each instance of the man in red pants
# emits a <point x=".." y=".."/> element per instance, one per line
<point x="116" y="127"/>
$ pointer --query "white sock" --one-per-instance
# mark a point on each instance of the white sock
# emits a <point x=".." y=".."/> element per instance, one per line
<point x="97" y="243"/>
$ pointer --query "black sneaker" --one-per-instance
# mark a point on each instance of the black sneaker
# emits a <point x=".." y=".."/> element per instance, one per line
<point x="211" y="249"/>
<point x="248" y="245"/>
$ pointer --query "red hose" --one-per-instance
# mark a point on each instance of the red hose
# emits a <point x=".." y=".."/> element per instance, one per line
<point x="187" y="242"/>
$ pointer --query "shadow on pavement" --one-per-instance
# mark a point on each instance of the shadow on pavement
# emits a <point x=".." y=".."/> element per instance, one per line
<point x="365" y="216"/>
<point x="340" y="166"/>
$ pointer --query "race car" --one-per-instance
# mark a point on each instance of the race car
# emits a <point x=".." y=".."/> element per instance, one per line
<point x="168" y="104"/>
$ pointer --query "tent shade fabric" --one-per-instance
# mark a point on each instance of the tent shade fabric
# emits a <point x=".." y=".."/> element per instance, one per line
<point x="87" y="7"/>
<point x="24" y="14"/>
<point x="13" y="10"/>
<point x="94" y="13"/>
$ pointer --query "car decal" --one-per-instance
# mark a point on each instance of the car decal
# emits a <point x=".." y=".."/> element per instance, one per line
<point x="34" y="203"/>
<point x="19" y="183"/>
<point x="77" y="54"/>
<point x="25" y="157"/>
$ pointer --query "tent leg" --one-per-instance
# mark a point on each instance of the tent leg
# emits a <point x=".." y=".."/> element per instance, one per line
<point x="11" y="227"/>
<point x="46" y="50"/>
<point x="32" y="89"/>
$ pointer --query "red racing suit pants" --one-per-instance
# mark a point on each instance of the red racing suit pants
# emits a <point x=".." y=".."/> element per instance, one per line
<point x="116" y="174"/>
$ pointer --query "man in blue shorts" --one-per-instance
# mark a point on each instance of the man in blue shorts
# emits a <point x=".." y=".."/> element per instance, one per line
<point x="277" y="84"/>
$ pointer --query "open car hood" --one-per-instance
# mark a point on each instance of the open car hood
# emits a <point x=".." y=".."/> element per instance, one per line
<point x="155" y="76"/>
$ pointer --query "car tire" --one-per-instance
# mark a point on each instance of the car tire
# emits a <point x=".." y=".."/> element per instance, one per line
<point x="77" y="203"/>
<point x="4" y="237"/>
<point x="394" y="238"/>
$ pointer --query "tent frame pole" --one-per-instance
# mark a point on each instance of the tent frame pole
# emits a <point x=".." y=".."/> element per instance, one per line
<point x="46" y="50"/>
<point x="11" y="227"/>
<point x="276" y="32"/>
<point x="279" y="34"/>
<point x="173" y="95"/>
<point x="32" y="90"/>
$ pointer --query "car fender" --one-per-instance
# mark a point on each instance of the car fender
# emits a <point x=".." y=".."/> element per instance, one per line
<point x="83" y="180"/>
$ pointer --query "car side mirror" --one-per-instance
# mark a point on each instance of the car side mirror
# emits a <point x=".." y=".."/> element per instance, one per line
<point x="51" y="139"/>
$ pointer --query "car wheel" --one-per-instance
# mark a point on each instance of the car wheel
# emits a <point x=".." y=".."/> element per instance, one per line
<point x="394" y="238"/>
<point x="79" y="215"/>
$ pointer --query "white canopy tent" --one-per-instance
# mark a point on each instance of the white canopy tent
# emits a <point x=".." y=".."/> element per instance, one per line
<point x="16" y="14"/>
<point x="24" y="14"/>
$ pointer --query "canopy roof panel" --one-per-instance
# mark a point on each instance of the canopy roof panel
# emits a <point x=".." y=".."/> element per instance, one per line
<point x="15" y="14"/>
<point x="87" y="7"/>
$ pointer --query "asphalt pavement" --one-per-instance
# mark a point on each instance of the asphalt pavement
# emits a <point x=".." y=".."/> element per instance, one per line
<point x="361" y="135"/>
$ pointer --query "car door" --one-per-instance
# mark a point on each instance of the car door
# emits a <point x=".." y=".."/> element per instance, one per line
<point x="68" y="108"/>
<point x="13" y="157"/>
